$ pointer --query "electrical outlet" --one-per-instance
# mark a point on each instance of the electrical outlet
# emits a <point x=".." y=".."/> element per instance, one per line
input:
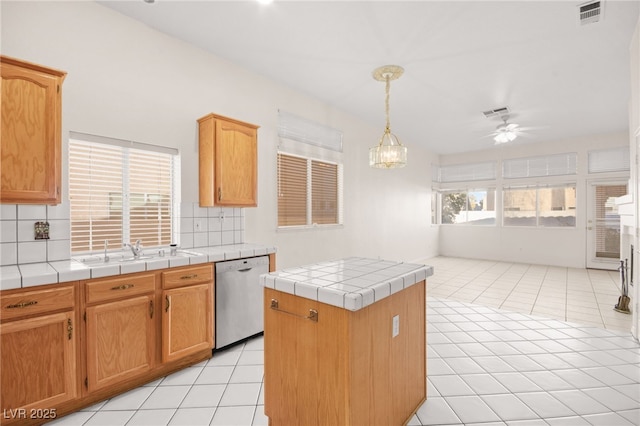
<point x="396" y="326"/>
<point x="41" y="230"/>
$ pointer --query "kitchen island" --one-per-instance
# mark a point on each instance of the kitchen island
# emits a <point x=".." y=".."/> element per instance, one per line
<point x="345" y="342"/>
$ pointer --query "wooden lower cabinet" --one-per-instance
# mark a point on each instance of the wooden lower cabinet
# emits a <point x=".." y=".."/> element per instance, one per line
<point x="187" y="321"/>
<point x="187" y="313"/>
<point x="120" y="329"/>
<point x="39" y="340"/>
<point x="38" y="363"/>
<point x="120" y="341"/>
<point x="346" y="368"/>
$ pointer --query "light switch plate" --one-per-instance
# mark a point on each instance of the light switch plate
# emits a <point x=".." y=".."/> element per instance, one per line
<point x="396" y="326"/>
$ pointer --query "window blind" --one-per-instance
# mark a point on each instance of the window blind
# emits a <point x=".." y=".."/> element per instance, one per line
<point x="324" y="193"/>
<point x="120" y="194"/>
<point x="299" y="129"/>
<point x="292" y="190"/>
<point x="550" y="165"/>
<point x="609" y="160"/>
<point x="309" y="191"/>
<point x="607" y="229"/>
<point x="467" y="172"/>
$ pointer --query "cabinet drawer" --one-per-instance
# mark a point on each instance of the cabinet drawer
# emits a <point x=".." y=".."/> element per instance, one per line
<point x="116" y="288"/>
<point x="36" y="302"/>
<point x="187" y="276"/>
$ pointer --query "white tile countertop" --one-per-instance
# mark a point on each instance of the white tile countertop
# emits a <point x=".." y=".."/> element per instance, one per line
<point x="32" y="274"/>
<point x="350" y="283"/>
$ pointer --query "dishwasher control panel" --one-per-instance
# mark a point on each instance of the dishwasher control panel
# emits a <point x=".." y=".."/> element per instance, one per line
<point x="235" y="265"/>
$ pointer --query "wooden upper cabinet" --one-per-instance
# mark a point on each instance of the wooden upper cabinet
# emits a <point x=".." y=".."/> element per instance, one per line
<point x="228" y="151"/>
<point x="30" y="133"/>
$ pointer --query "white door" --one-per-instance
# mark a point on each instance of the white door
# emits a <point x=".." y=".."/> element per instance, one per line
<point x="603" y="225"/>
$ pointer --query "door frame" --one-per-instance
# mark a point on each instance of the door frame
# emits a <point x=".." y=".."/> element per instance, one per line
<point x="590" y="259"/>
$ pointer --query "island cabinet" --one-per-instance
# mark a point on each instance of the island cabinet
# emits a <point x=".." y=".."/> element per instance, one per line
<point x="30" y="133"/>
<point x="120" y="330"/>
<point x="228" y="162"/>
<point x="38" y="347"/>
<point x="187" y="316"/>
<point x="338" y="354"/>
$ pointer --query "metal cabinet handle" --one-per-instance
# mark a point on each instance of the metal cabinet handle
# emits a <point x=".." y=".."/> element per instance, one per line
<point x="219" y="193"/>
<point x="168" y="303"/>
<point x="151" y="309"/>
<point x="188" y="277"/>
<point x="69" y="328"/>
<point x="22" y="304"/>
<point x="313" y="314"/>
<point x="122" y="287"/>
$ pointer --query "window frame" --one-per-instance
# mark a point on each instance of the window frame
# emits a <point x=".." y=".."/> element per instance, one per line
<point x="126" y="201"/>
<point x="537" y="188"/>
<point x="488" y="189"/>
<point x="309" y="224"/>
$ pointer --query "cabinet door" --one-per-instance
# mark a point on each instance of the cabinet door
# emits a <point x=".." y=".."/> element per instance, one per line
<point x="120" y="341"/>
<point x="187" y="321"/>
<point x="31" y="133"/>
<point x="38" y="362"/>
<point x="236" y="164"/>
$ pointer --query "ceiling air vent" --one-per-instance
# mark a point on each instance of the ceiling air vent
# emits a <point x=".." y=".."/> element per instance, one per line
<point x="498" y="112"/>
<point x="590" y="12"/>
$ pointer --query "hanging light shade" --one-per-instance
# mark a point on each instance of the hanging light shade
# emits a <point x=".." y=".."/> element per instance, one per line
<point x="505" y="132"/>
<point x="389" y="153"/>
<point x="504" y="137"/>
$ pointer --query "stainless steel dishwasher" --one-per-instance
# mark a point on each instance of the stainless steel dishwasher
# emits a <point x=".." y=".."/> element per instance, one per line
<point x="239" y="308"/>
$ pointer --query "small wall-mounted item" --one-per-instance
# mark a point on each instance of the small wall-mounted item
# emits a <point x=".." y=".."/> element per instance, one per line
<point x="41" y="230"/>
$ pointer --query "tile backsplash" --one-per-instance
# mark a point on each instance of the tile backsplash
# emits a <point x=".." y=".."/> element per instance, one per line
<point x="210" y="226"/>
<point x="17" y="234"/>
<point x="199" y="227"/>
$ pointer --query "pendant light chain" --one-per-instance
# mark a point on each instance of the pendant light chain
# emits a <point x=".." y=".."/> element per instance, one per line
<point x="386" y="102"/>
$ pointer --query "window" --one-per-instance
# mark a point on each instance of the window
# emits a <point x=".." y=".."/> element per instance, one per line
<point x="309" y="191"/>
<point x="465" y="172"/>
<point x="472" y="207"/>
<point x="553" y="206"/>
<point x="609" y="160"/>
<point x="550" y="165"/>
<point x="121" y="192"/>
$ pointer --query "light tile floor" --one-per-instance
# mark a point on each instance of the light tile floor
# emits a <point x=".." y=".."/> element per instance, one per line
<point x="586" y="296"/>
<point x="486" y="366"/>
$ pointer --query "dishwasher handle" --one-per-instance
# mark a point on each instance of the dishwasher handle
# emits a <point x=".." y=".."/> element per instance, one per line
<point x="244" y="270"/>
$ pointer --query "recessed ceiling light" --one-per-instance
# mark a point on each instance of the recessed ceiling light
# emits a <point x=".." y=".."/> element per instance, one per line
<point x="265" y="1"/>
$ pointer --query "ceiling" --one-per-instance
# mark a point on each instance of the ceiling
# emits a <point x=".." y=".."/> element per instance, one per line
<point x="560" y="79"/>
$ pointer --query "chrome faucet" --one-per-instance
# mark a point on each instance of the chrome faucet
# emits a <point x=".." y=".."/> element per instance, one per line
<point x="135" y="249"/>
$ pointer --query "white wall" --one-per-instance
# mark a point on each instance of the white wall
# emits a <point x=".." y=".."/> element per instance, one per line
<point x="126" y="80"/>
<point x="550" y="246"/>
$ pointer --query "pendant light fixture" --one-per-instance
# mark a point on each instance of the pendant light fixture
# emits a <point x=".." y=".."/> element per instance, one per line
<point x="389" y="153"/>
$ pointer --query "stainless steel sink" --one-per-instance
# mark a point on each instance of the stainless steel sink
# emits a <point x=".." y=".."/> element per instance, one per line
<point x="119" y="258"/>
<point x="133" y="259"/>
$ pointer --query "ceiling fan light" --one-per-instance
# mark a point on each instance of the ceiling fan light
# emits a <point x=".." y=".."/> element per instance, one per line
<point x="505" y="136"/>
<point x="389" y="153"/>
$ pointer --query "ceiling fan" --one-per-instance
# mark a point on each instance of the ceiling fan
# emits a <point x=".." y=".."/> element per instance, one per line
<point x="505" y="131"/>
